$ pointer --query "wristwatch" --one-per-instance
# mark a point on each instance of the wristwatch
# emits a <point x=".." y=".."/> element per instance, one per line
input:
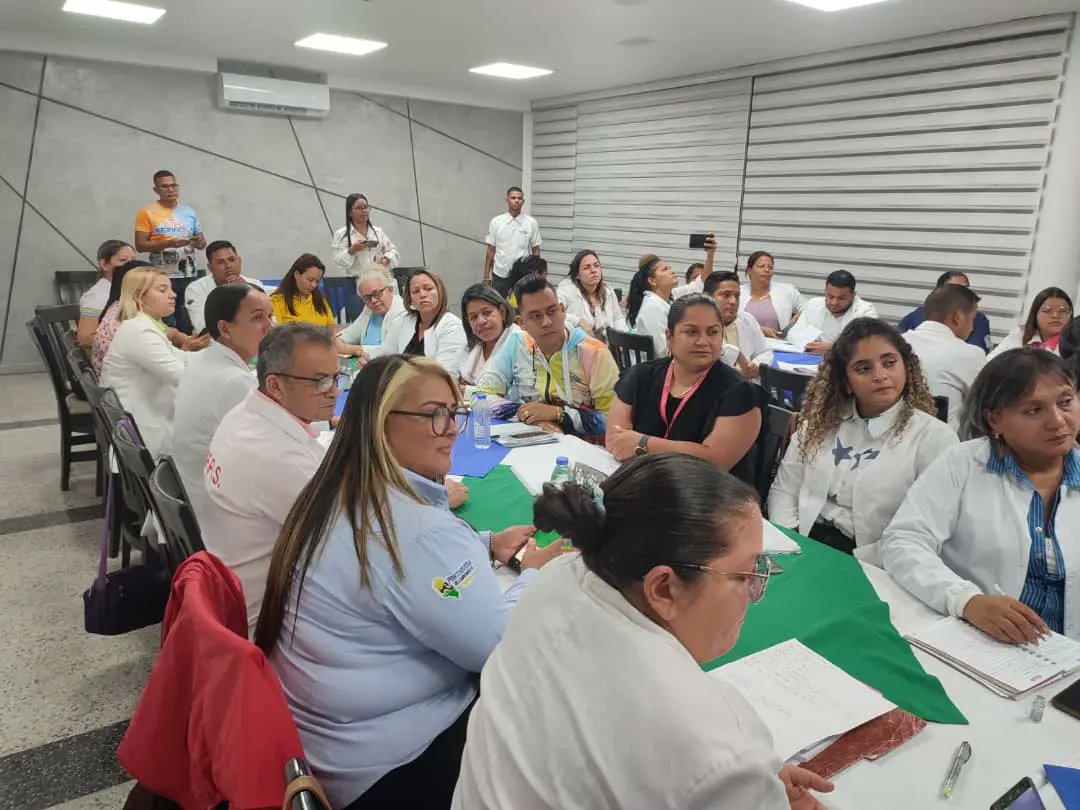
<point x="642" y="445"/>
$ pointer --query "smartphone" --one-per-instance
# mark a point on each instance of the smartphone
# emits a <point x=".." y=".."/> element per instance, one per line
<point x="1068" y="700"/>
<point x="1021" y="796"/>
<point x="697" y="240"/>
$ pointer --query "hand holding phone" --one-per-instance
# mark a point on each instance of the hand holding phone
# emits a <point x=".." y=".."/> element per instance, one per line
<point x="697" y="241"/>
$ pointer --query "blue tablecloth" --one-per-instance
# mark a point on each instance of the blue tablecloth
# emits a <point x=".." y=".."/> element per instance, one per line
<point x="796" y="358"/>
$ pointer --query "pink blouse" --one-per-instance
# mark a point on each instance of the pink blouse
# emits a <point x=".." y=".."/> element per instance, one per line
<point x="107" y="327"/>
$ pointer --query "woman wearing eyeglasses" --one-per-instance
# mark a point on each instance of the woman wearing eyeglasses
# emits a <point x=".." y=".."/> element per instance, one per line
<point x="382" y="305"/>
<point x="670" y="561"/>
<point x="1050" y="313"/>
<point x="381" y="605"/>
<point x="359" y="241"/>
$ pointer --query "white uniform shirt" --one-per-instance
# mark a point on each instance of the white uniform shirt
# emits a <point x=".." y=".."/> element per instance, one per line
<point x="92" y="303"/>
<point x="580" y="679"/>
<point x="652" y="321"/>
<point x="195" y="298"/>
<point x="751" y="338"/>
<point x="260" y="458"/>
<point x="144" y="369"/>
<point x="816" y="314"/>
<point x="443" y="342"/>
<point x="949" y="363"/>
<point x="786" y="300"/>
<point x="963" y="530"/>
<point x="215" y="381"/>
<point x="1015" y="340"/>
<point x="512" y="237"/>
<point x="353" y="263"/>
<point x="866" y="466"/>
<point x="578" y="313"/>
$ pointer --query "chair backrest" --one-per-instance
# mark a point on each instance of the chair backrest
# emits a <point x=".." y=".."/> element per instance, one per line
<point x="337" y="294"/>
<point x="178" y="523"/>
<point x="630" y="349"/>
<point x="785" y="388"/>
<point x="777" y="435"/>
<point x="942" y="405"/>
<point x="54" y="363"/>
<point x="71" y="284"/>
<point x="132" y="458"/>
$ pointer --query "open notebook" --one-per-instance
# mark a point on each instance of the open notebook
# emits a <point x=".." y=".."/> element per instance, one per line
<point x="1010" y="670"/>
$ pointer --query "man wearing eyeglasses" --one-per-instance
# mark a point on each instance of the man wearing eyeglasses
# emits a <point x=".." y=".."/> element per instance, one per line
<point x="382" y="305"/>
<point x="266" y="450"/>
<point x="168" y="231"/>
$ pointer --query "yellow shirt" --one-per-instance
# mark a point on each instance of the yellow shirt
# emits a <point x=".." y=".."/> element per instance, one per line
<point x="304" y="310"/>
<point x="731" y="334"/>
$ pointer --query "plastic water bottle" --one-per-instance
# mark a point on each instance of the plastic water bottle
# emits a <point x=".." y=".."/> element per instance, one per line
<point x="562" y="472"/>
<point x="481" y="422"/>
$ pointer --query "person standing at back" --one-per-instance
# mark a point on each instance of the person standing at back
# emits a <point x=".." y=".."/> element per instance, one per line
<point x="948" y="361"/>
<point x="980" y="335"/>
<point x="359" y="241"/>
<point x="169" y="231"/>
<point x="510" y="236"/>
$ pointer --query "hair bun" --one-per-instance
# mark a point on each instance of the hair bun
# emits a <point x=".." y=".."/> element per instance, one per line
<point x="572" y="511"/>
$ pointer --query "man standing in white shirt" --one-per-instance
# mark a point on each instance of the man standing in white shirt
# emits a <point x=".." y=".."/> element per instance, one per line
<point x="265" y="451"/>
<point x="217" y="379"/>
<point x="223" y="267"/>
<point x="510" y="236"/>
<point x="949" y="362"/>
<point x="835" y="310"/>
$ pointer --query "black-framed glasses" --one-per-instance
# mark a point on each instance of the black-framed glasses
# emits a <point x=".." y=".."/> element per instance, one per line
<point x="756" y="580"/>
<point x="322" y="384"/>
<point x="375" y="296"/>
<point x="441" y="418"/>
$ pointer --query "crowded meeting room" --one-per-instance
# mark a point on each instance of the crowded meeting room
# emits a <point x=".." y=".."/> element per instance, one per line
<point x="578" y="405"/>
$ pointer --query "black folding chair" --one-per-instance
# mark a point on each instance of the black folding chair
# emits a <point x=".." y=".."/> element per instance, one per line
<point x="76" y="421"/>
<point x="777" y="435"/>
<point x="135" y="465"/>
<point x="942" y="405"/>
<point x="630" y="349"/>
<point x="785" y="388"/>
<point x="178" y="522"/>
<point x="71" y="284"/>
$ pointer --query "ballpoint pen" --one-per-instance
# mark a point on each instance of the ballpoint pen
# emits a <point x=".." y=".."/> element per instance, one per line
<point x="962" y="755"/>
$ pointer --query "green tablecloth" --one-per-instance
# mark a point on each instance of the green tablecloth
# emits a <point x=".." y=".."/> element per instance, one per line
<point x="823" y="599"/>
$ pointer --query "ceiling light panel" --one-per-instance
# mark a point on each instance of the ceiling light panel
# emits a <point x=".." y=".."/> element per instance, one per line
<point x="835" y="5"/>
<point x="114" y="10"/>
<point x="338" y="44"/>
<point x="506" y="70"/>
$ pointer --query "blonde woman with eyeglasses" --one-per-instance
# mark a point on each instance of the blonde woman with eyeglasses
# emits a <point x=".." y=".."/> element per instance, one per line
<point x="381" y="606"/>
<point x="141" y="365"/>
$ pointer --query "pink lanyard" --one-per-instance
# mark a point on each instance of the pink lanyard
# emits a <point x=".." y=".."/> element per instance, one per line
<point x="666" y="391"/>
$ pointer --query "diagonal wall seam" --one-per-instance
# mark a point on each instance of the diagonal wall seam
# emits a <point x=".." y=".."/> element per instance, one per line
<point x="307" y="167"/>
<point x="416" y="182"/>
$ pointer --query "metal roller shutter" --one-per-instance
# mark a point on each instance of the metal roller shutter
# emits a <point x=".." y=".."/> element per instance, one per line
<point x="899" y="167"/>
<point x="552" y="187"/>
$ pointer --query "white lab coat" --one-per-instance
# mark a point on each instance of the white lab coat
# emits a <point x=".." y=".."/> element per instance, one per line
<point x="817" y="314"/>
<point x="354" y="332"/>
<point x="786" y="300"/>
<point x="1015" y="340"/>
<point x="144" y="369"/>
<point x="751" y="338"/>
<point x="949" y="363"/>
<point x="963" y="529"/>
<point x="579" y="314"/>
<point x="443" y="342"/>
<point x="215" y="381"/>
<point x="471" y="363"/>
<point x="568" y="744"/>
<point x="260" y="457"/>
<point x="195" y="298"/>
<point x="800" y="490"/>
<point x="352" y="264"/>
<point x="652" y="321"/>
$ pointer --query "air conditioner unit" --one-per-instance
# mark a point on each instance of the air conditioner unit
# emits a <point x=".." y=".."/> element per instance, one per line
<point x="260" y="94"/>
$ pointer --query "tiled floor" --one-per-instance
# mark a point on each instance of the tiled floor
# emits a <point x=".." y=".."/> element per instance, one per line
<point x="64" y="694"/>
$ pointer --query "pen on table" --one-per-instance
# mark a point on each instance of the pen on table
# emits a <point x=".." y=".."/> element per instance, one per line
<point x="962" y="755"/>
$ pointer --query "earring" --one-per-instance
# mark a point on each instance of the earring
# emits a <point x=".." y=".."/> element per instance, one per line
<point x="997" y="435"/>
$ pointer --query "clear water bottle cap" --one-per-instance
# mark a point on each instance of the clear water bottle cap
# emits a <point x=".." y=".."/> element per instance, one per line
<point x="562" y="461"/>
<point x="481" y="396"/>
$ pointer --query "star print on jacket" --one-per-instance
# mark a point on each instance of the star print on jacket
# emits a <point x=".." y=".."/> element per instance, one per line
<point x="842" y="453"/>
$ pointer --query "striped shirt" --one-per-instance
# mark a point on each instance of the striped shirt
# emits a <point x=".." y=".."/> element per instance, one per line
<point x="1044" y="587"/>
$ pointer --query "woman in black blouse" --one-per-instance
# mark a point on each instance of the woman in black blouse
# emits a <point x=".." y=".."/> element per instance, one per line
<point x="689" y="402"/>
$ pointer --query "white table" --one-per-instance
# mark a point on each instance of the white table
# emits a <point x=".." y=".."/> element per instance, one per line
<point x="1006" y="744"/>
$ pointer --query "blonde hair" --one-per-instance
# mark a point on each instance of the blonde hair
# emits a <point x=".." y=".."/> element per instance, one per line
<point x="136" y="284"/>
<point x="354" y="480"/>
<point x="371" y="271"/>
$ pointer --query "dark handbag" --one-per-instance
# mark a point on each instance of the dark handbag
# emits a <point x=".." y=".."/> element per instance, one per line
<point x="127" y="599"/>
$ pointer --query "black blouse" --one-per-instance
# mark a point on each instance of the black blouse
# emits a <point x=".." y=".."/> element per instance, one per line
<point x="723" y="392"/>
<point x="415" y="347"/>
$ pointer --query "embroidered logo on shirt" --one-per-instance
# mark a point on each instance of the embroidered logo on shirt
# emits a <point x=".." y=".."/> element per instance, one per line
<point x="450" y="587"/>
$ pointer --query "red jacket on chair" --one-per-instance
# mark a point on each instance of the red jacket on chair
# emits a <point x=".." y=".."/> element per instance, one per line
<point x="212" y="724"/>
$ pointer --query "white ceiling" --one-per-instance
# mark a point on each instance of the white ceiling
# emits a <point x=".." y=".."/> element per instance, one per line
<point x="434" y="42"/>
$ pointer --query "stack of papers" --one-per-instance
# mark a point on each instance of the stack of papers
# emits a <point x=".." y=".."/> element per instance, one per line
<point x="775" y="541"/>
<point x="802" y="698"/>
<point x="1009" y="670"/>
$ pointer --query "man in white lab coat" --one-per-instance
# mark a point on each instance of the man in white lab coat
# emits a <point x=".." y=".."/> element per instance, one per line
<point x="949" y="362"/>
<point x="265" y="451"/>
<point x="832" y="312"/>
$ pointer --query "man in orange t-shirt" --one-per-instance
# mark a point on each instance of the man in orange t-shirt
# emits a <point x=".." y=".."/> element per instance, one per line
<point x="168" y="231"/>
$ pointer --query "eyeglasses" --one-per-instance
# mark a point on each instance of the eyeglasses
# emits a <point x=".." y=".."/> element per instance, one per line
<point x="322" y="384"/>
<point x="441" y="418"/>
<point x="756" y="580"/>
<point x="1055" y="310"/>
<point x="371" y="298"/>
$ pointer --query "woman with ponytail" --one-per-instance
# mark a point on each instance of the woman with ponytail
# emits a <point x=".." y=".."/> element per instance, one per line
<point x="360" y="241"/>
<point x="607" y="648"/>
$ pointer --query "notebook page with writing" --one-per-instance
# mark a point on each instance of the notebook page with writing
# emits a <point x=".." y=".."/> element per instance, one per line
<point x="802" y="698"/>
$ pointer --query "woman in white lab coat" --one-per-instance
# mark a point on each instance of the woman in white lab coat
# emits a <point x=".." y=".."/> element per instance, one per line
<point x="989" y="532"/>
<point x="589" y="302"/>
<point x="775" y="305"/>
<point x="670" y="561"/>
<point x="866" y="432"/>
<point x="428" y="328"/>
<point x="360" y="241"/>
<point x="1048" y="316"/>
<point x="142" y="366"/>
